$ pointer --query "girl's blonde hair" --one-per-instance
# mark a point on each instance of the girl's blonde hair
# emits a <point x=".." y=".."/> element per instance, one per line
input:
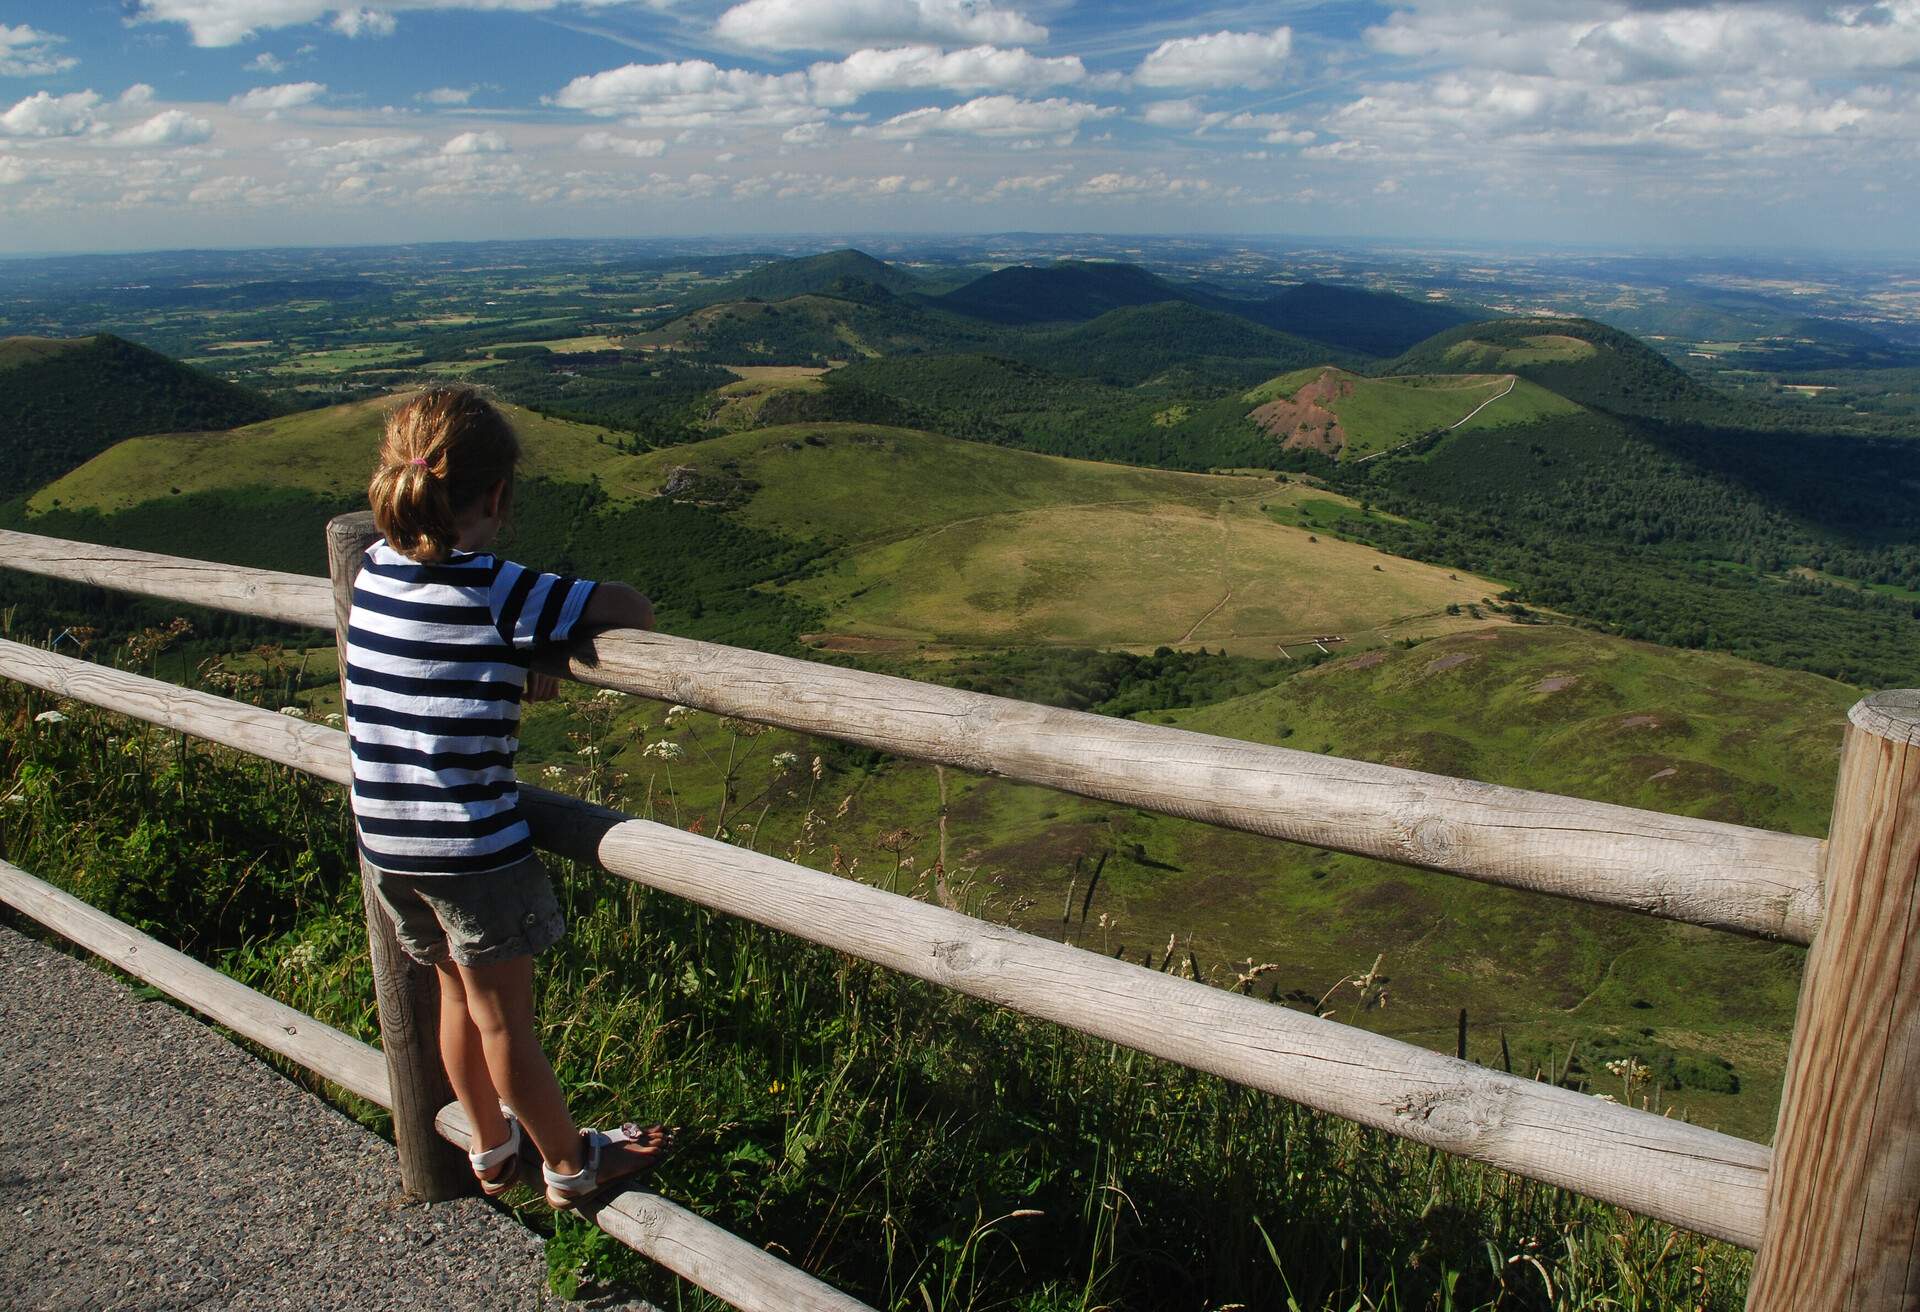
<point x="444" y="450"/>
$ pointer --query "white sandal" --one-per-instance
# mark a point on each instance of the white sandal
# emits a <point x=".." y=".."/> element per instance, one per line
<point x="585" y="1185"/>
<point x="487" y="1159"/>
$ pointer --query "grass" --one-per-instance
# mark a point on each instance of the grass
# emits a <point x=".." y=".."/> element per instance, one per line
<point x="1379" y="414"/>
<point x="922" y="1150"/>
<point x="1540" y="348"/>
<point x="1127" y="575"/>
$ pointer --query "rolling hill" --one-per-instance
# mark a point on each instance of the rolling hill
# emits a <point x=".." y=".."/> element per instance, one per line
<point x="1589" y="363"/>
<point x="850" y="321"/>
<point x="1350" y="417"/>
<point x="67" y="400"/>
<point x="785" y="279"/>
<point x="1350" y="319"/>
<point x="867" y="534"/>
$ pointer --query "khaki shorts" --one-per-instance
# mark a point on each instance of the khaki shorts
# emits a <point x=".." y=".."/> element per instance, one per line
<point x="475" y="919"/>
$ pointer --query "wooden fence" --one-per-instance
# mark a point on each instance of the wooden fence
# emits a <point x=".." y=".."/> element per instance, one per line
<point x="1833" y="1209"/>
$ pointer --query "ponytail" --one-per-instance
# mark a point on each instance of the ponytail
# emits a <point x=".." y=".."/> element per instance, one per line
<point x="444" y="450"/>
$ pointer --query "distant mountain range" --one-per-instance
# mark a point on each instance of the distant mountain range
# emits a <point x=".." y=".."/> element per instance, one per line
<point x="1076" y="291"/>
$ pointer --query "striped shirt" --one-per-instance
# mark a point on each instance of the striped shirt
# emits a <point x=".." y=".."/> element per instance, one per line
<point x="437" y="661"/>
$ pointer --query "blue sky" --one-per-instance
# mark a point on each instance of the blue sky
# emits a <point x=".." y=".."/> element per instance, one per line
<point x="128" y="124"/>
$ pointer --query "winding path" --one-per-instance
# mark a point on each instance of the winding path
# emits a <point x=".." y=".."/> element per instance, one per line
<point x="1512" y="381"/>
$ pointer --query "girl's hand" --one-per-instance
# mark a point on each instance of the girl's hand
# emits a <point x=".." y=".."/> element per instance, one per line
<point x="541" y="687"/>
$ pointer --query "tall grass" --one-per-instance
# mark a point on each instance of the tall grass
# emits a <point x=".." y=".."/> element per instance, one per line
<point x="925" y="1151"/>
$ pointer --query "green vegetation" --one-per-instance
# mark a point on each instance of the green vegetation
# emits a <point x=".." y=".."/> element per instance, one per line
<point x="783" y="280"/>
<point x="922" y="1150"/>
<point x="1369" y="322"/>
<point x="65" y="401"/>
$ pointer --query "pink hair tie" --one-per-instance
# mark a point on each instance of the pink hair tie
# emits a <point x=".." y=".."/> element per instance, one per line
<point x="418" y="460"/>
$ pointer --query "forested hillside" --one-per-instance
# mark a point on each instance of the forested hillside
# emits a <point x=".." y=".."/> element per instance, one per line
<point x="66" y="401"/>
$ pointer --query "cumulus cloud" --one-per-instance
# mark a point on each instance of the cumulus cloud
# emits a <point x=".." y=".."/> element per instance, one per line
<point x="477" y="143"/>
<point x="1222" y="59"/>
<point x="992" y="116"/>
<point x="364" y="22"/>
<point x="270" y="100"/>
<point x="446" y="96"/>
<point x="27" y="52"/>
<point x="45" y="115"/>
<point x="853" y="24"/>
<point x="137" y="94"/>
<point x="170" y="127"/>
<point x="633" y="147"/>
<point x="912" y="68"/>
<point x="691" y="93"/>
<point x="266" y="62"/>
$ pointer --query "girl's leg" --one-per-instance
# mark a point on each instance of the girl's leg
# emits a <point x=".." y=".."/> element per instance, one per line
<point x="466" y="1062"/>
<point x="499" y="998"/>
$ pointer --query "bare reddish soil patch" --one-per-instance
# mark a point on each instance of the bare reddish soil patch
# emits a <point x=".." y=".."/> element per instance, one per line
<point x="1556" y="683"/>
<point x="1451" y="661"/>
<point x="1302" y="421"/>
<point x="1641" y="722"/>
<point x="1366" y="662"/>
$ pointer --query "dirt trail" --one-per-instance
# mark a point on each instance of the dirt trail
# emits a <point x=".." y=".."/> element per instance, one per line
<point x="1204" y="618"/>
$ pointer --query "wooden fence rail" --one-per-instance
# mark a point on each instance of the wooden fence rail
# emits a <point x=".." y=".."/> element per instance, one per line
<point x="1697" y="1178"/>
<point x="1703" y="872"/>
<point x="1834" y="1216"/>
<point x="723" y="1264"/>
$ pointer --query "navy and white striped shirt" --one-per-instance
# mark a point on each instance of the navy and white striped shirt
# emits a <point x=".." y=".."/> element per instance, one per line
<point x="437" y="660"/>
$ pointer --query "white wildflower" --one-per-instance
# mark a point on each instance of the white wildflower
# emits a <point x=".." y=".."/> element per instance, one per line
<point x="334" y="717"/>
<point x="588" y="750"/>
<point x="609" y="695"/>
<point x="553" y="772"/>
<point x="665" y="751"/>
<point x="49" y="717"/>
<point x="297" y="712"/>
<point x="678" y="712"/>
<point x="785" y="760"/>
<point x="1606" y="1097"/>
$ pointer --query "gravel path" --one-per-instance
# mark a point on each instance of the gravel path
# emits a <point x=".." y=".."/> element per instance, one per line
<point x="147" y="1163"/>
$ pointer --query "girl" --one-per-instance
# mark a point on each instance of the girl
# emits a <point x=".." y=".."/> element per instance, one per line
<point x="438" y="646"/>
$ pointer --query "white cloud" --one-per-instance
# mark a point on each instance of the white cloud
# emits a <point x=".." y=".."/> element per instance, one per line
<point x="27" y="52"/>
<point x="356" y="154"/>
<point x="992" y="116"/>
<point x="228" y="22"/>
<point x="447" y="95"/>
<point x="912" y="68"/>
<point x="691" y="93"/>
<point x="288" y="95"/>
<point x="807" y="134"/>
<point x="266" y="62"/>
<point x="1220" y="60"/>
<point x="44" y="115"/>
<point x="364" y="22"/>
<point x="634" y="147"/>
<point x="170" y="127"/>
<point x="852" y="24"/>
<point x="477" y="143"/>
<point x="137" y="94"/>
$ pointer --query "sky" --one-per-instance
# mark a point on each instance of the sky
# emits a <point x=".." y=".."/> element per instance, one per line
<point x="145" y="124"/>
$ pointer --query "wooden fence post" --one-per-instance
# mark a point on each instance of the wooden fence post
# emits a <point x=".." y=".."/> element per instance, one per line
<point x="1843" y="1198"/>
<point x="409" y="996"/>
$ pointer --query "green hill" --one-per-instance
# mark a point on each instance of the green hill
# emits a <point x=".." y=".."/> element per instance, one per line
<point x="1067" y="292"/>
<point x="851" y="321"/>
<point x="784" y="279"/>
<point x="1348" y="417"/>
<point x="1370" y="322"/>
<point x="1586" y="362"/>
<point x="1170" y="341"/>
<point x="858" y="532"/>
<point x="67" y="400"/>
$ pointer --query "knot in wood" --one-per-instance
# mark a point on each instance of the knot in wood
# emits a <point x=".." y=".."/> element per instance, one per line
<point x="1433" y="841"/>
<point x="1455" y="1117"/>
<point x="955" y="957"/>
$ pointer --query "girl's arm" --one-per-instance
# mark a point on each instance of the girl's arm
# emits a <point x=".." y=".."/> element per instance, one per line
<point x="617" y="606"/>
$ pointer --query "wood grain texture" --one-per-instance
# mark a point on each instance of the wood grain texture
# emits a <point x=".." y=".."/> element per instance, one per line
<point x="695" y="1249"/>
<point x="1843" y="1204"/>
<point x="1702" y="872"/>
<point x="408" y="992"/>
<point x="295" y="1035"/>
<point x="1709" y="1182"/>
<point x="282" y="738"/>
<point x="269" y="594"/>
